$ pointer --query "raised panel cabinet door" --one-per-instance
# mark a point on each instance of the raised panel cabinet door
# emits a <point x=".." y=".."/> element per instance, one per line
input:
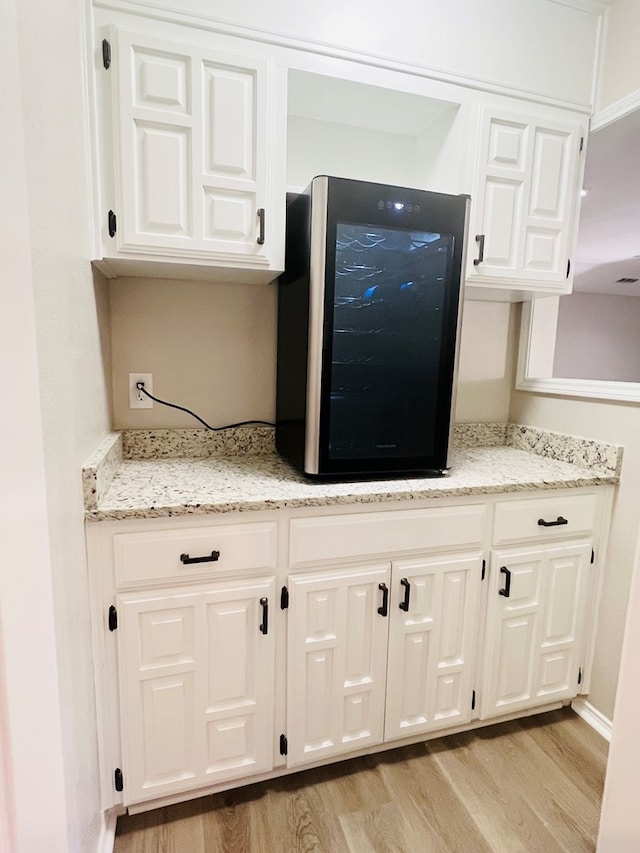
<point x="336" y="668"/>
<point x="432" y="643"/>
<point x="191" y="127"/>
<point x="535" y="626"/>
<point x="196" y="682"/>
<point x="526" y="199"/>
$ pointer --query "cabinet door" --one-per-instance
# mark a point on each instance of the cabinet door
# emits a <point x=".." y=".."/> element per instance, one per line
<point x="191" y="140"/>
<point x="432" y="643"/>
<point x="535" y="621"/>
<point x="196" y="682"/>
<point x="526" y="201"/>
<point x="337" y="653"/>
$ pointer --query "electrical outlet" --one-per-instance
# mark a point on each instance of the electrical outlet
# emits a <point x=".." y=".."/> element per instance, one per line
<point x="138" y="399"/>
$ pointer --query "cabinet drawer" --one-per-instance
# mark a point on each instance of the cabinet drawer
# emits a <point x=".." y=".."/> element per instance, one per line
<point x="168" y="554"/>
<point x="341" y="537"/>
<point x="544" y="518"/>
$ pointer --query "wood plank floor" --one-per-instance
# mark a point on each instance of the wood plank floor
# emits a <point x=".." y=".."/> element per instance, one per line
<point x="530" y="785"/>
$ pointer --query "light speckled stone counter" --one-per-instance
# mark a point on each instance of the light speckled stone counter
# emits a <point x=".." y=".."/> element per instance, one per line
<point x="228" y="481"/>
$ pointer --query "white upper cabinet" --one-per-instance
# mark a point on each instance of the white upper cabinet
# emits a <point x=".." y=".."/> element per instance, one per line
<point x="192" y="178"/>
<point x="525" y="203"/>
<point x="200" y="132"/>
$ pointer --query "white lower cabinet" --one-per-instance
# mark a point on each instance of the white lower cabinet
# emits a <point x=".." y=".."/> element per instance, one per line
<point x="337" y="644"/>
<point x="379" y="652"/>
<point x="432" y="643"/>
<point x="535" y="621"/>
<point x="196" y="686"/>
<point x="412" y="620"/>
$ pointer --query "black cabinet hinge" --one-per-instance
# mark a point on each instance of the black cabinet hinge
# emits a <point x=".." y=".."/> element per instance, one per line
<point x="593" y="556"/>
<point x="111" y="223"/>
<point x="581" y="144"/>
<point x="106" y="53"/>
<point x="284" y="598"/>
<point x="568" y="267"/>
<point x="118" y="781"/>
<point x="580" y="675"/>
<point x="484" y="570"/>
<point x="113" y="618"/>
<point x="284" y="746"/>
<point x="473" y="700"/>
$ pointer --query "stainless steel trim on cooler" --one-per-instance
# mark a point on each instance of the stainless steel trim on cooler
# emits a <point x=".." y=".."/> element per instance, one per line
<point x="454" y="387"/>
<point x="317" y="266"/>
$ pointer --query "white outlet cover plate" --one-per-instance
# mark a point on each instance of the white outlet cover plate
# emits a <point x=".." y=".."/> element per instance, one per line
<point x="137" y="399"/>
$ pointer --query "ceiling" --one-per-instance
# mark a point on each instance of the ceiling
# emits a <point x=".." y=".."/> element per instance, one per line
<point x="608" y="245"/>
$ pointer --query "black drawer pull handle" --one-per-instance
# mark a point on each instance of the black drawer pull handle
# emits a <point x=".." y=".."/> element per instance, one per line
<point x="404" y="604"/>
<point x="264" y="603"/>
<point x="260" y="240"/>
<point x="507" y="584"/>
<point x="210" y="558"/>
<point x="557" y="523"/>
<point x="383" y="610"/>
<point x="480" y="241"/>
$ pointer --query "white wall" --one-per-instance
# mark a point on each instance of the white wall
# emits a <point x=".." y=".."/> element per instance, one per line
<point x="549" y="49"/>
<point x="32" y="785"/>
<point x="620" y="818"/>
<point x="597" y="337"/>
<point x="71" y="349"/>
<point x="620" y="71"/>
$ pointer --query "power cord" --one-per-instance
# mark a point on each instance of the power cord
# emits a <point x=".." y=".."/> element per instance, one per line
<point x="140" y="387"/>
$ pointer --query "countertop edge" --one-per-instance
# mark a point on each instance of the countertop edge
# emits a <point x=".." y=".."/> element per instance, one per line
<point x="240" y="506"/>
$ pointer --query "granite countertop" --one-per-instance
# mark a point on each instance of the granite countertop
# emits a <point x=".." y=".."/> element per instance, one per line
<point x="162" y="473"/>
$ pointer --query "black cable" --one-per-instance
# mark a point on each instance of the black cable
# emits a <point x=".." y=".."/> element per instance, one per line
<point x="140" y="387"/>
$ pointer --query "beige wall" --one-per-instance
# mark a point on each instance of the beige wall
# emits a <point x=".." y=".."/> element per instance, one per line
<point x="487" y="361"/>
<point x="620" y="65"/>
<point x="620" y="424"/>
<point x="212" y="349"/>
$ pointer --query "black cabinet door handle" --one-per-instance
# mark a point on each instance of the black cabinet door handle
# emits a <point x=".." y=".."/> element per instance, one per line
<point x="213" y="557"/>
<point x="264" y="603"/>
<point x="260" y="240"/>
<point x="383" y="610"/>
<point x="507" y="584"/>
<point x="557" y="523"/>
<point x="480" y="242"/>
<point x="404" y="604"/>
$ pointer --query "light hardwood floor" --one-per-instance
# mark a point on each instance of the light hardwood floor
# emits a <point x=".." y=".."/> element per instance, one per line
<point x="530" y="785"/>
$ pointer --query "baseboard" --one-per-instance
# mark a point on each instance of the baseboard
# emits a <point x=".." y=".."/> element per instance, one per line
<point x="107" y="839"/>
<point x="595" y="718"/>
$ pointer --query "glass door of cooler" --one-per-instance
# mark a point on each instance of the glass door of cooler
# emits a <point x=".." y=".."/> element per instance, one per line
<point x="390" y="343"/>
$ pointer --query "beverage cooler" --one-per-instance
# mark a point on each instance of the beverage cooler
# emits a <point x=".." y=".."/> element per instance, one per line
<point x="368" y="320"/>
